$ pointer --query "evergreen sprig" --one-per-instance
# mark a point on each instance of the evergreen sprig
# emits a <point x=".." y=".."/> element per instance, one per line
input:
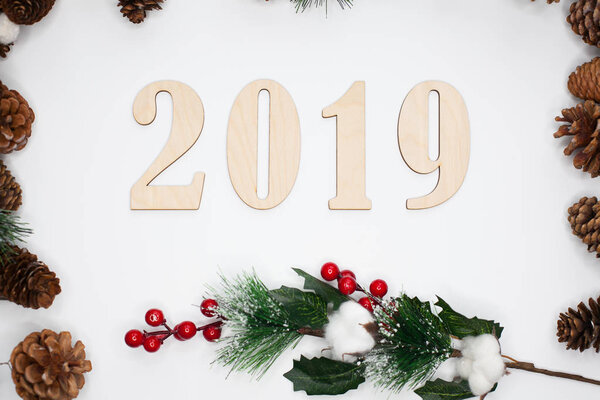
<point x="261" y="328"/>
<point x="12" y="231"/>
<point x="415" y="342"/>
<point x="302" y="5"/>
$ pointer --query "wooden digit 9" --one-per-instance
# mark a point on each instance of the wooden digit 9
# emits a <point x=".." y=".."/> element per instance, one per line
<point x="284" y="144"/>
<point x="188" y="119"/>
<point x="454" y="140"/>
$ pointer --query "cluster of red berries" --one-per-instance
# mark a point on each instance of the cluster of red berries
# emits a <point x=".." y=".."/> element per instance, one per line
<point x="347" y="285"/>
<point x="152" y="341"/>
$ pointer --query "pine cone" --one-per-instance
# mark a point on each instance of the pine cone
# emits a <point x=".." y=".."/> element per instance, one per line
<point x="26" y="12"/>
<point x="584" y="18"/>
<point x="584" y="82"/>
<point x="26" y="281"/>
<point x="10" y="190"/>
<point x="581" y="123"/>
<point x="580" y="329"/>
<point x="16" y="118"/>
<point x="47" y="366"/>
<point x="4" y="49"/>
<point x="135" y="10"/>
<point x="584" y="218"/>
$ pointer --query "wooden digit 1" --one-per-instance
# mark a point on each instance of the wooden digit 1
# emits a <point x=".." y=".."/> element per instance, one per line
<point x="188" y="120"/>
<point x="284" y="144"/>
<point x="350" y="137"/>
<point x="454" y="140"/>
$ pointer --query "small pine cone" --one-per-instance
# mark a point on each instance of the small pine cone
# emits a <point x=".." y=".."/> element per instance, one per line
<point x="46" y="366"/>
<point x="584" y="218"/>
<point x="584" y="82"/>
<point x="4" y="49"/>
<point x="16" y="118"/>
<point x="26" y="12"/>
<point x="581" y="123"/>
<point x="135" y="10"/>
<point x="10" y="190"/>
<point x="584" y="18"/>
<point x="580" y="329"/>
<point x="26" y="281"/>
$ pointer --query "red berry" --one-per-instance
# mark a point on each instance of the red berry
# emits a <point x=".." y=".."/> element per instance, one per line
<point x="212" y="333"/>
<point x="330" y="271"/>
<point x="185" y="330"/>
<point x="155" y="317"/>
<point x="347" y="285"/>
<point x="378" y="288"/>
<point x="134" y="338"/>
<point x="346" y="273"/>
<point x="208" y="306"/>
<point x="366" y="303"/>
<point x="152" y="344"/>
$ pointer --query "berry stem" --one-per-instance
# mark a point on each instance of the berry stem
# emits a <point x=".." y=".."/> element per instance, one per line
<point x="216" y="324"/>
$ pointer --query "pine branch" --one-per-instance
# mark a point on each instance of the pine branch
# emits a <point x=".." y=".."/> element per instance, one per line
<point x="415" y="342"/>
<point x="12" y="231"/>
<point x="302" y="5"/>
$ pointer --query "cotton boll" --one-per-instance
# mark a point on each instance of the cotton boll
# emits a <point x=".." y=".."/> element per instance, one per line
<point x="464" y="367"/>
<point x="479" y="384"/>
<point x="346" y="333"/>
<point x="8" y="30"/>
<point x="447" y="371"/>
<point x="480" y="346"/>
<point x="456" y="344"/>
<point x="491" y="367"/>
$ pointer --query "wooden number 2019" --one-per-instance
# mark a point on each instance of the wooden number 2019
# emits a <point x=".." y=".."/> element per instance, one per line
<point x="284" y="145"/>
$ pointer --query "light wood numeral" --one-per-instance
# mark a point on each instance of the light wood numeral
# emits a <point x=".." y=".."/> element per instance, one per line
<point x="188" y="119"/>
<point x="284" y="144"/>
<point x="454" y="140"/>
<point x="350" y="119"/>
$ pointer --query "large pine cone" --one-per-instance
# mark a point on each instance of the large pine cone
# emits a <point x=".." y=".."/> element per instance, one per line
<point x="582" y="123"/>
<point x="584" y="82"/>
<point x="26" y="12"/>
<point x="46" y="366"/>
<point x="10" y="190"/>
<point x="584" y="18"/>
<point x="584" y="218"/>
<point x="580" y="329"/>
<point x="135" y="10"/>
<point x="16" y="118"/>
<point x="26" y="281"/>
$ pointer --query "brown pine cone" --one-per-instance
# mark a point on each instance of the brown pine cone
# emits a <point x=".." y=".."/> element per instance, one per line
<point x="135" y="10"/>
<point x="26" y="12"/>
<point x="584" y="18"/>
<point x="10" y="190"/>
<point x="4" y="49"/>
<point x="584" y="218"/>
<point x="47" y="366"/>
<point x="26" y="281"/>
<point x="581" y="123"/>
<point x="584" y="82"/>
<point x="16" y="118"/>
<point x="580" y="329"/>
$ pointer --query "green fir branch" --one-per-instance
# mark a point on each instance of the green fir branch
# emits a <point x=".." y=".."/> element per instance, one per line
<point x="261" y="328"/>
<point x="302" y="5"/>
<point x="415" y="341"/>
<point x="12" y="231"/>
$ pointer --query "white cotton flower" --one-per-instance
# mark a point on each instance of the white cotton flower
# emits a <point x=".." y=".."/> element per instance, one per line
<point x="464" y="367"/>
<point x="481" y="346"/>
<point x="492" y="367"/>
<point x="479" y="384"/>
<point x="8" y="30"/>
<point x="346" y="332"/>
<point x="447" y="371"/>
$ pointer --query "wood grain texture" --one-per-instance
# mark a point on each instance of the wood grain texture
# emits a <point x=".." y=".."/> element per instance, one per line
<point x="188" y="120"/>
<point x="284" y="144"/>
<point x="454" y="140"/>
<point x="349" y="111"/>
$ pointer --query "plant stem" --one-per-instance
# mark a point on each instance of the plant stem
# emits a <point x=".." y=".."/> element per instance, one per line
<point x="525" y="366"/>
<point x="311" y="332"/>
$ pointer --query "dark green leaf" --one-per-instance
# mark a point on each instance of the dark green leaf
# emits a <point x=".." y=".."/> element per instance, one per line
<point x="306" y="309"/>
<point x="327" y="292"/>
<point x="442" y="390"/>
<point x="461" y="326"/>
<point x="325" y="376"/>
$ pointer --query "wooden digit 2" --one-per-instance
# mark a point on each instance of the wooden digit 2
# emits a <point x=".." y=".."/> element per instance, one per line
<point x="188" y="120"/>
<point x="454" y="140"/>
<point x="351" y="180"/>
<point x="284" y="144"/>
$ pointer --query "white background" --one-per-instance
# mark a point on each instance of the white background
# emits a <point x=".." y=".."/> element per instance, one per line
<point x="500" y="248"/>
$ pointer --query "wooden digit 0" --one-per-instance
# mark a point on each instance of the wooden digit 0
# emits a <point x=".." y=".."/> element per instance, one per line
<point x="188" y="120"/>
<point x="284" y="144"/>
<point x="350" y="141"/>
<point x="454" y="140"/>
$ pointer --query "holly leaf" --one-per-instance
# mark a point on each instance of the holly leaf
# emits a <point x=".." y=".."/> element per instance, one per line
<point x="442" y="390"/>
<point x="327" y="292"/>
<point x="462" y="326"/>
<point x="306" y="309"/>
<point x="319" y="376"/>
